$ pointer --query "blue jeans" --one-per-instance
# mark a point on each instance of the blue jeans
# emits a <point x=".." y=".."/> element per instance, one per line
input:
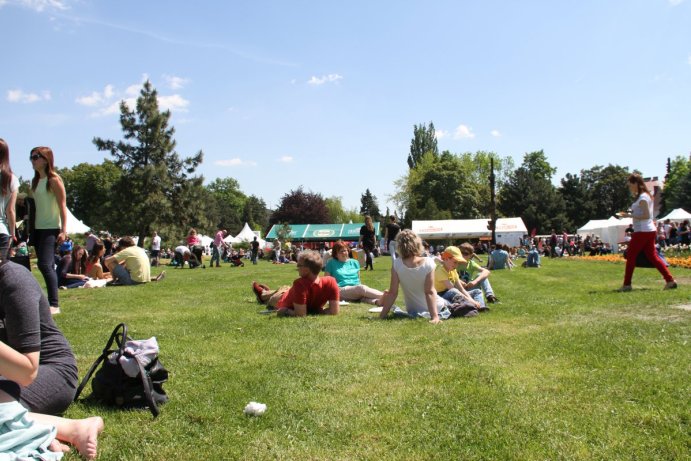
<point x="392" y="249"/>
<point x="475" y="293"/>
<point x="122" y="275"/>
<point x="533" y="259"/>
<point x="215" y="256"/>
<point x="44" y="243"/>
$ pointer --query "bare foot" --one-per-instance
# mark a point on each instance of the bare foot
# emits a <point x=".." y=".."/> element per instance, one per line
<point x="56" y="446"/>
<point x="86" y="438"/>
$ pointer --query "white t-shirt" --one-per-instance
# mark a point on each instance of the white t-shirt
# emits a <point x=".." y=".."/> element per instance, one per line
<point x="182" y="249"/>
<point x="4" y="199"/>
<point x="412" y="282"/>
<point x="156" y="243"/>
<point x="645" y="225"/>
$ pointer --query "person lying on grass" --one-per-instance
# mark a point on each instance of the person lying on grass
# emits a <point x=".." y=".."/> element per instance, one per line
<point x="38" y="371"/>
<point x="346" y="271"/>
<point x="309" y="293"/>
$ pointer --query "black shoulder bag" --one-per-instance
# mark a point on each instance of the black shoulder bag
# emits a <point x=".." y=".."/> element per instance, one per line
<point x="112" y="386"/>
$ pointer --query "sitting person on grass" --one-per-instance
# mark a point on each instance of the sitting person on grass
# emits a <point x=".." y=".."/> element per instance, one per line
<point x="38" y="371"/>
<point x="72" y="269"/>
<point x="415" y="274"/>
<point x="473" y="275"/>
<point x="94" y="269"/>
<point x="346" y="271"/>
<point x="447" y="282"/>
<point x="130" y="265"/>
<point x="309" y="293"/>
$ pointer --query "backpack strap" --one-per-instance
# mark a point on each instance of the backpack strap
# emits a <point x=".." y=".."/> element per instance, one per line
<point x="147" y="385"/>
<point x="116" y="337"/>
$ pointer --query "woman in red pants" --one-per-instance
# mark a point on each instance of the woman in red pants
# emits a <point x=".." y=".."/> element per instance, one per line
<point x="643" y="237"/>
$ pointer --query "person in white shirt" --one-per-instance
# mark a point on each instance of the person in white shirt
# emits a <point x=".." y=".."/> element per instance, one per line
<point x="643" y="237"/>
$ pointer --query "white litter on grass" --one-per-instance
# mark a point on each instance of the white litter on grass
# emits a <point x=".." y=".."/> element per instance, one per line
<point x="255" y="409"/>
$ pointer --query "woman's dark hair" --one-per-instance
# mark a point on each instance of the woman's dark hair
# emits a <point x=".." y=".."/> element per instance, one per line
<point x="640" y="184"/>
<point x="5" y="169"/>
<point x="78" y="263"/>
<point x="47" y="154"/>
<point x="93" y="257"/>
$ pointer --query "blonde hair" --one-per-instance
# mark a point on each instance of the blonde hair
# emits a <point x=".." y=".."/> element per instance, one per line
<point x="408" y="244"/>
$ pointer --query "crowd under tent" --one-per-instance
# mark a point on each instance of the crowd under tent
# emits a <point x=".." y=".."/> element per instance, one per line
<point x="508" y="231"/>
<point x="246" y="235"/>
<point x="611" y="231"/>
<point x="321" y="232"/>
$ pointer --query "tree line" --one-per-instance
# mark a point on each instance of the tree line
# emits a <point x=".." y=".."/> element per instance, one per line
<point x="147" y="186"/>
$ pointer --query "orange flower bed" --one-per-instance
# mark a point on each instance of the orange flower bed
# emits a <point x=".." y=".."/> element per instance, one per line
<point x="674" y="261"/>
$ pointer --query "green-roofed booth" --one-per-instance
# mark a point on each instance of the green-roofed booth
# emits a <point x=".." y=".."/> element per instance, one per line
<point x="321" y="232"/>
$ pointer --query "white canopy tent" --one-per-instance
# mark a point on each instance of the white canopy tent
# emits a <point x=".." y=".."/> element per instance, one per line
<point x="611" y="231"/>
<point x="508" y="230"/>
<point x="75" y="226"/>
<point x="246" y="235"/>
<point x="677" y="215"/>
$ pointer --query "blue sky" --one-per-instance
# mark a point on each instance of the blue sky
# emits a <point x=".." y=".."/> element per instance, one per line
<point x="280" y="94"/>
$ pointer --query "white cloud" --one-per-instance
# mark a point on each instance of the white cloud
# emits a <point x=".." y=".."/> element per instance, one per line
<point x="463" y="132"/>
<point x="27" y="98"/>
<point x="675" y="2"/>
<point x="96" y="98"/>
<point x="331" y="78"/>
<point x="495" y="133"/>
<point x="439" y="134"/>
<point x="175" y="83"/>
<point x="108" y="101"/>
<point x="37" y="5"/>
<point x="174" y="102"/>
<point x="286" y="159"/>
<point x="235" y="162"/>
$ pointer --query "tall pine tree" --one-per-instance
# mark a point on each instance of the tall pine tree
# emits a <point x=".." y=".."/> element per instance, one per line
<point x="368" y="205"/>
<point x="155" y="188"/>
<point x="424" y="140"/>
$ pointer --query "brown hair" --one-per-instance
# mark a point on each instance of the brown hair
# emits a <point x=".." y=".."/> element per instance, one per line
<point x="467" y="248"/>
<point x="338" y="246"/>
<point x="368" y="223"/>
<point x="5" y="169"/>
<point x="47" y="154"/>
<point x="640" y="184"/>
<point x="78" y="265"/>
<point x="98" y="246"/>
<point x="312" y="260"/>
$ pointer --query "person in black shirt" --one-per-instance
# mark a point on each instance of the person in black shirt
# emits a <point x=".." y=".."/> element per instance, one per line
<point x="392" y="230"/>
<point x="367" y="241"/>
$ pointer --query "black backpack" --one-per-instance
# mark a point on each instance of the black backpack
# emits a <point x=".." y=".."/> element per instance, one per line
<point x="112" y="386"/>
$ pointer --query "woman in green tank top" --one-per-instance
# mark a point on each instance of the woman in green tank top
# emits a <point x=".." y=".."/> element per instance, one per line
<point x="51" y="218"/>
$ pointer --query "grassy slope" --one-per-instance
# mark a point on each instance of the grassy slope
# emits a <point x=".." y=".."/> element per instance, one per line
<point x="564" y="368"/>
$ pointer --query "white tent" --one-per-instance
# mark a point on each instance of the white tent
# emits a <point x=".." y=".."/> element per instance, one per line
<point x="677" y="215"/>
<point x="508" y="230"/>
<point x="247" y="235"/>
<point x="75" y="226"/>
<point x="611" y="231"/>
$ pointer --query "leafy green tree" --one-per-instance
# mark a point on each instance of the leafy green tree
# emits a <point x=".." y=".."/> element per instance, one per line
<point x="578" y="207"/>
<point x="368" y="205"/>
<point x="255" y="213"/>
<point x="300" y="207"/>
<point x="424" y="141"/>
<point x="677" y="191"/>
<point x="607" y="191"/>
<point x="229" y="203"/>
<point x="338" y="213"/>
<point x="88" y="192"/>
<point x="155" y="187"/>
<point x="528" y="192"/>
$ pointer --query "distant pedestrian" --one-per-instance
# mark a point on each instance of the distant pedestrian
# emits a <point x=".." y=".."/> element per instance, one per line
<point x="254" y="249"/>
<point x="392" y="230"/>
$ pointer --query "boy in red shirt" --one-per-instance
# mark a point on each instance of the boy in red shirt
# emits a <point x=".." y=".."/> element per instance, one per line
<point x="309" y="293"/>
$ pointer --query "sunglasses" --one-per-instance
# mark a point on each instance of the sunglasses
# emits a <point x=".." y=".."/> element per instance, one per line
<point x="35" y="157"/>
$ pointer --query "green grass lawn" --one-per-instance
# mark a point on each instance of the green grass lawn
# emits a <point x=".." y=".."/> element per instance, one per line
<point x="564" y="368"/>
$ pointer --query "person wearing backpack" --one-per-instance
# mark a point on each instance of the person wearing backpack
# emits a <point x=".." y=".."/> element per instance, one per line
<point x="38" y="370"/>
